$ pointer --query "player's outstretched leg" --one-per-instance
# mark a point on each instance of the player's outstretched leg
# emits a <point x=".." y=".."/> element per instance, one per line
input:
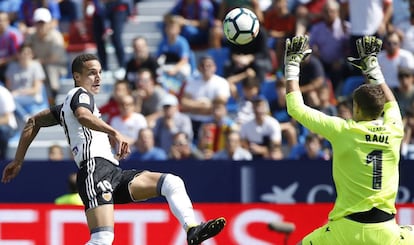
<point x="198" y="234"/>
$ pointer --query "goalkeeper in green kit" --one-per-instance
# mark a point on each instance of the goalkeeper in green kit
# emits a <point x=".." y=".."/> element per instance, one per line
<point x="365" y="152"/>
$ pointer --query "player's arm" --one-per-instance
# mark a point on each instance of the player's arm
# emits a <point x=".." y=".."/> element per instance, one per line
<point x="87" y="119"/>
<point x="44" y="118"/>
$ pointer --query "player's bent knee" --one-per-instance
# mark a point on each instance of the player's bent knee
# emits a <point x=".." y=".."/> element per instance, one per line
<point x="101" y="238"/>
<point x="169" y="183"/>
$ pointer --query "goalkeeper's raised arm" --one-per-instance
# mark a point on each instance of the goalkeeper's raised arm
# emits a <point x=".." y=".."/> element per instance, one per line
<point x="296" y="50"/>
<point x="368" y="48"/>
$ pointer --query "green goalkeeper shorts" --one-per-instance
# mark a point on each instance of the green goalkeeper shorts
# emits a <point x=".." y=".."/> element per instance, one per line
<point x="345" y="232"/>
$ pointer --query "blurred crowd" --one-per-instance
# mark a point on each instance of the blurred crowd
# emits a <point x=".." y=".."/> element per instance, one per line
<point x="199" y="96"/>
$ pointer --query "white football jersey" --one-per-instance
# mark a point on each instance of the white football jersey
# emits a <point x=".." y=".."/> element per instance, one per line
<point x="84" y="142"/>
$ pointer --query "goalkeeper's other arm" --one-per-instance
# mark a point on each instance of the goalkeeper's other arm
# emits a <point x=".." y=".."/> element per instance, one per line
<point x="368" y="47"/>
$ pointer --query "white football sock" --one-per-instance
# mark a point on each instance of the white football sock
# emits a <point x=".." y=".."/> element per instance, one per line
<point x="173" y="189"/>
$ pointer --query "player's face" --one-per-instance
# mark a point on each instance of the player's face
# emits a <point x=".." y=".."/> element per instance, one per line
<point x="90" y="78"/>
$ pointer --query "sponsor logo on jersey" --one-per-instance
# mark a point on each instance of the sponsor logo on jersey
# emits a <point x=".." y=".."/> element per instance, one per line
<point x="84" y="99"/>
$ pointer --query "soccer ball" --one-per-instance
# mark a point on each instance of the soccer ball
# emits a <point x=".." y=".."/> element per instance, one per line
<point x="240" y="26"/>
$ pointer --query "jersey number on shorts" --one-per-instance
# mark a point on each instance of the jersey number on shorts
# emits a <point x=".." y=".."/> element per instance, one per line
<point x="105" y="186"/>
<point x="375" y="157"/>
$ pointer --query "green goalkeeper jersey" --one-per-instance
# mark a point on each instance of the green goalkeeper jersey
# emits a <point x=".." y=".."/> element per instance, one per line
<point x="365" y="156"/>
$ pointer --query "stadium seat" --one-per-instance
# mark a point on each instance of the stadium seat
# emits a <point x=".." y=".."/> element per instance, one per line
<point x="268" y="89"/>
<point x="350" y="84"/>
<point x="221" y="56"/>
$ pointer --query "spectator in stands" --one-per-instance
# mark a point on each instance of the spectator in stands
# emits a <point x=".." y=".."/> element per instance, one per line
<point x="171" y="122"/>
<point x="310" y="150"/>
<point x="113" y="15"/>
<point x="71" y="23"/>
<point x="312" y="76"/>
<point x="148" y="96"/>
<point x="213" y="133"/>
<point x="11" y="8"/>
<point x="392" y="57"/>
<point x="262" y="131"/>
<point x="344" y="109"/>
<point x="145" y="149"/>
<point x="326" y="103"/>
<point x="174" y="51"/>
<point x="253" y="55"/>
<point x="10" y="39"/>
<point x="227" y="5"/>
<point x="217" y="48"/>
<point x="49" y="48"/>
<point x="233" y="149"/>
<point x="407" y="145"/>
<point x="201" y="90"/>
<point x="195" y="17"/>
<point x="111" y="108"/>
<point x="401" y="15"/>
<point x="26" y="14"/>
<point x="408" y="40"/>
<point x="141" y="58"/>
<point x="329" y="41"/>
<point x="72" y="197"/>
<point x="280" y="23"/>
<point x="278" y="110"/>
<point x="323" y="101"/>
<point x="182" y="149"/>
<point x="250" y="88"/>
<point x="308" y="13"/>
<point x="24" y="79"/>
<point x="128" y="122"/>
<point x="8" y="123"/>
<point x="404" y="93"/>
<point x="55" y="153"/>
<point x="367" y="18"/>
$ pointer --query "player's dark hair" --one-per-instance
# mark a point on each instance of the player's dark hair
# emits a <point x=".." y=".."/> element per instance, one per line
<point x="79" y="61"/>
<point x="370" y="99"/>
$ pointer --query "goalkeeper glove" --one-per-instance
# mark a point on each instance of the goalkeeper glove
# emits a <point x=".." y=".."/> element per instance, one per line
<point x="368" y="48"/>
<point x="296" y="50"/>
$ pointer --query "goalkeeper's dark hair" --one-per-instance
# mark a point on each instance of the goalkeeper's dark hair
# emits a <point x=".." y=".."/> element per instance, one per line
<point x="371" y="99"/>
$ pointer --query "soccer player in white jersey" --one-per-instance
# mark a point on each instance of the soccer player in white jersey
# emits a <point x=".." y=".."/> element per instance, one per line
<point x="100" y="180"/>
<point x="365" y="152"/>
